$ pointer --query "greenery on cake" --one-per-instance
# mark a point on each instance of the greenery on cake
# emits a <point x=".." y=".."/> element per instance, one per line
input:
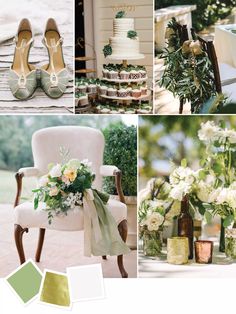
<point x="132" y="34"/>
<point x="107" y="50"/>
<point x="120" y="14"/>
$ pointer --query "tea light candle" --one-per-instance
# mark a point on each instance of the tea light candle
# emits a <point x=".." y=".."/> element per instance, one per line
<point x="203" y="251"/>
<point x="177" y="250"/>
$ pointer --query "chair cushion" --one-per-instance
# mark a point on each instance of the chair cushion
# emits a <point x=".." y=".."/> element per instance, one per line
<point x="27" y="217"/>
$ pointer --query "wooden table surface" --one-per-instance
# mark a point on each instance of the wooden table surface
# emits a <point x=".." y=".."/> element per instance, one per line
<point x="39" y="103"/>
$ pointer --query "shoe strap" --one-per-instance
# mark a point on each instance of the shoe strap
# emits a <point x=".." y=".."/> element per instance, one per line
<point x="53" y="75"/>
<point x="22" y="78"/>
<point x="15" y="40"/>
<point x="59" y="42"/>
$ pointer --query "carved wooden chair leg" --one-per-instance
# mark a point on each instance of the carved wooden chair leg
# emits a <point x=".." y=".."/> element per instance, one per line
<point x="123" y="230"/>
<point x="40" y="245"/>
<point x="104" y="257"/>
<point x="19" y="231"/>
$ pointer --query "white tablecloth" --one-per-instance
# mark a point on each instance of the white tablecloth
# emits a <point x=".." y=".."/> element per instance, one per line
<point x="159" y="268"/>
<point x="225" y="44"/>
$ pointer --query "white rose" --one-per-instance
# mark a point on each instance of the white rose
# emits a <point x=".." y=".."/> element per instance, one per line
<point x="208" y="132"/>
<point x="143" y="195"/>
<point x="154" y="221"/>
<point x="204" y="191"/>
<point x="180" y="190"/>
<point x="87" y="163"/>
<point x="43" y="181"/>
<point x="230" y="135"/>
<point x="55" y="172"/>
<point x="213" y="196"/>
<point x="222" y="197"/>
<point x="156" y="204"/>
<point x="53" y="191"/>
<point x="73" y="163"/>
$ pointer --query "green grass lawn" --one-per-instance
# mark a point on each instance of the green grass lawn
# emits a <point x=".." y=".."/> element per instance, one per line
<point x="8" y="187"/>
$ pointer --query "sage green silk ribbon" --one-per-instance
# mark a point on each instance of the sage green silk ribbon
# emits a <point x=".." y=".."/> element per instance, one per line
<point x="101" y="235"/>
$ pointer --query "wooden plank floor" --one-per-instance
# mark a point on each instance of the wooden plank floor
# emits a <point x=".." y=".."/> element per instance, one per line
<point x="39" y="103"/>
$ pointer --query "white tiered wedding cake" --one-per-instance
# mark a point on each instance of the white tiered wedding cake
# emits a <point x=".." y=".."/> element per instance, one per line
<point x="125" y="42"/>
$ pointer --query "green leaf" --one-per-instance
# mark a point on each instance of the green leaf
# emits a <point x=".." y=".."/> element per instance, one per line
<point x="132" y="34"/>
<point x="217" y="168"/>
<point x="208" y="217"/>
<point x="228" y="108"/>
<point x="202" y="174"/>
<point x="120" y="14"/>
<point x="107" y="50"/>
<point x="184" y="163"/>
<point x="228" y="221"/>
<point x="36" y="202"/>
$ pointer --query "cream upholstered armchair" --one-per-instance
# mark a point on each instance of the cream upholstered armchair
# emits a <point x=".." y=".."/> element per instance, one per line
<point x="82" y="143"/>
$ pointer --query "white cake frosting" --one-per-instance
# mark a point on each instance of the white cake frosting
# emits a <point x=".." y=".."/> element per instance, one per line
<point x="124" y="47"/>
<point x="122" y="26"/>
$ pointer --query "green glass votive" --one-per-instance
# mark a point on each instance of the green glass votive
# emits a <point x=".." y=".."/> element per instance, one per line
<point x="177" y="250"/>
<point x="152" y="243"/>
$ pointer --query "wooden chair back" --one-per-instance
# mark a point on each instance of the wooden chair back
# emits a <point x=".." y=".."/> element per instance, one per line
<point x="208" y="47"/>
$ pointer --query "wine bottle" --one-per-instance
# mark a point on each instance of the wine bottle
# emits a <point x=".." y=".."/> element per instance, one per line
<point x="185" y="224"/>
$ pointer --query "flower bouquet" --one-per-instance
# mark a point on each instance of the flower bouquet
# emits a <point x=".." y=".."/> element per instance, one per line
<point x="68" y="187"/>
<point x="211" y="188"/>
<point x="63" y="187"/>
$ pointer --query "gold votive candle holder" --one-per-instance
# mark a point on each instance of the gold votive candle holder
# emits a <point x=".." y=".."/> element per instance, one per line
<point x="203" y="251"/>
<point x="177" y="250"/>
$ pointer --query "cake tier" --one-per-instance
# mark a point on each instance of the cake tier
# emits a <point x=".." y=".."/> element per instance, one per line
<point x="125" y="48"/>
<point x="122" y="26"/>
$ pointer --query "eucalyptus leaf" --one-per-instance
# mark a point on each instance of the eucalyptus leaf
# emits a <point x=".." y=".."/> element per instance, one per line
<point x="228" y="221"/>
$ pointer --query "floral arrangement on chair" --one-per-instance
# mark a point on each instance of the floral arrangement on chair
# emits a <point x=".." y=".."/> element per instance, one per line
<point x="188" y="71"/>
<point x="63" y="187"/>
<point x="69" y="185"/>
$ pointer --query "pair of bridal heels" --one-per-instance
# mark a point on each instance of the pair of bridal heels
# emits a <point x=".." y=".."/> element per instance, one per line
<point x="24" y="78"/>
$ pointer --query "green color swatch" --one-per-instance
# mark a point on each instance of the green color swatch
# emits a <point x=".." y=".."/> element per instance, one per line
<point x="26" y="282"/>
<point x="55" y="290"/>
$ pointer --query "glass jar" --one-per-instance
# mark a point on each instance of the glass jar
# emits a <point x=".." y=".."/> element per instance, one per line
<point x="177" y="250"/>
<point x="152" y="243"/>
<point x="230" y="243"/>
<point x="203" y="251"/>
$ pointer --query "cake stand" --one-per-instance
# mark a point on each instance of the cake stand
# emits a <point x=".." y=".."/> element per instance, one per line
<point x="125" y="100"/>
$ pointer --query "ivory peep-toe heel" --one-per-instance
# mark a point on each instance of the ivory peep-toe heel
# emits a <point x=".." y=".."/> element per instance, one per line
<point x="54" y="76"/>
<point x="22" y="75"/>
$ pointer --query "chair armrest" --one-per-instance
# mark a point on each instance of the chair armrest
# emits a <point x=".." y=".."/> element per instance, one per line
<point x="29" y="172"/>
<point x="113" y="171"/>
<point x="108" y="171"/>
<point x="23" y="172"/>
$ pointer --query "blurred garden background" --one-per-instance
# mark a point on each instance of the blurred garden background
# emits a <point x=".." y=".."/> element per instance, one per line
<point x="169" y="139"/>
<point x="15" y="148"/>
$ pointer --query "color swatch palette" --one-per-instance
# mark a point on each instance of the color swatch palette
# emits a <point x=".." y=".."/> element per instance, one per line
<point x="81" y="283"/>
<point x="25" y="281"/>
<point x="86" y="282"/>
